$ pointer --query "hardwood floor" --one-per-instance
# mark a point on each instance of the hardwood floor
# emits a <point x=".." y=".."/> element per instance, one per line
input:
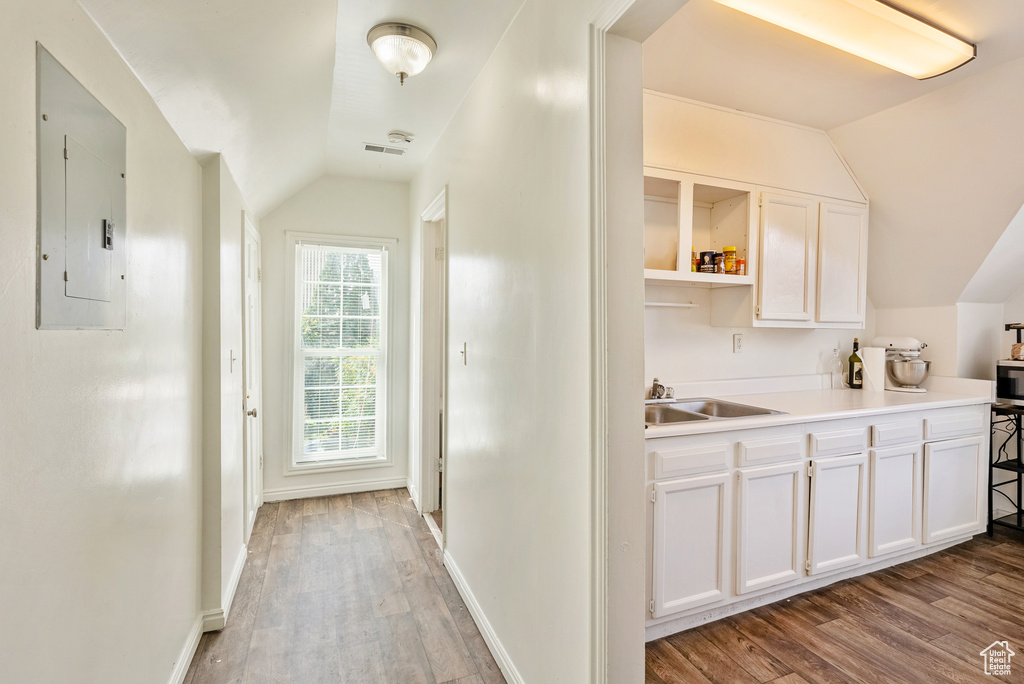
<point x="347" y="588"/>
<point x="923" y="621"/>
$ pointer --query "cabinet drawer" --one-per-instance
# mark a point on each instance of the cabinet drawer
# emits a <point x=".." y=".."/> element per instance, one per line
<point x="954" y="424"/>
<point x="839" y="442"/>
<point x="692" y="460"/>
<point x="772" y="450"/>
<point x="901" y="432"/>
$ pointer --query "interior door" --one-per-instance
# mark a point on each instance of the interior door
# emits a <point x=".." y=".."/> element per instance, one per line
<point x="789" y="235"/>
<point x="838" y="504"/>
<point x="252" y="374"/>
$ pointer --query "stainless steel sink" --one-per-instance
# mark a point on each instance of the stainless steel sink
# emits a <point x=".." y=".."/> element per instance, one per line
<point x="662" y="414"/>
<point x="701" y="408"/>
<point x="721" y="409"/>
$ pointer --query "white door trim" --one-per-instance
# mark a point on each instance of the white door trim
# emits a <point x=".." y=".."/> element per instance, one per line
<point x="252" y="463"/>
<point x="433" y="333"/>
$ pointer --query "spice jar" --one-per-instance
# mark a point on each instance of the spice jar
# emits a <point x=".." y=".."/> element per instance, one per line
<point x="707" y="262"/>
<point x="741" y="266"/>
<point x="730" y="258"/>
<point x="719" y="263"/>
<point x="694" y="260"/>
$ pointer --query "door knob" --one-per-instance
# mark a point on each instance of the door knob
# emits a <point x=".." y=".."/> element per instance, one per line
<point x="251" y="413"/>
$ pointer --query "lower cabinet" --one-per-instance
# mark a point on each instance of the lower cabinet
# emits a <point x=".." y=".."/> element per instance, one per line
<point x="894" y="518"/>
<point x="954" y="472"/>
<point x="744" y="513"/>
<point x="838" y="513"/>
<point x="691" y="519"/>
<point x="772" y="508"/>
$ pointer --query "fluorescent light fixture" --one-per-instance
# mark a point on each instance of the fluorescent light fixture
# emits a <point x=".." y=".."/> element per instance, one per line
<point x="404" y="50"/>
<point x="874" y="30"/>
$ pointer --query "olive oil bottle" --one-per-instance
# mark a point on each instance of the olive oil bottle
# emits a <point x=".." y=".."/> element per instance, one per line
<point x="856" y="368"/>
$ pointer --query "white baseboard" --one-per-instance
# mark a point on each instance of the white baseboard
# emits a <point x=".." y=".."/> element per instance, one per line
<point x="309" y="491"/>
<point x="414" y="493"/>
<point x="214" y="620"/>
<point x="497" y="649"/>
<point x="188" y="652"/>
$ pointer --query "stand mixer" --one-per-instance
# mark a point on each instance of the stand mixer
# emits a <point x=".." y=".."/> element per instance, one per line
<point x="904" y="369"/>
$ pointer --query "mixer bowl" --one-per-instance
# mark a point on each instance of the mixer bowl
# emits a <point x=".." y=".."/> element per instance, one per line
<point x="907" y="372"/>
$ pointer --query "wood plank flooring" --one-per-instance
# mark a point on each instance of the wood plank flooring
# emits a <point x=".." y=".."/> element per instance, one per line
<point x="923" y="621"/>
<point x="347" y="588"/>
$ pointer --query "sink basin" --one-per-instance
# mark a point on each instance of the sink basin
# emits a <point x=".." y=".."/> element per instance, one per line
<point x="671" y="411"/>
<point x="663" y="414"/>
<point x="717" y="408"/>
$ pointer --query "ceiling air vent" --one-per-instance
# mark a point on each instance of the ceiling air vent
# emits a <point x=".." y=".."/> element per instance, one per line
<point x="370" y="147"/>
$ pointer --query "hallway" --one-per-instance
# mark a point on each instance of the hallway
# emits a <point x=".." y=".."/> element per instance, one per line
<point x="347" y="588"/>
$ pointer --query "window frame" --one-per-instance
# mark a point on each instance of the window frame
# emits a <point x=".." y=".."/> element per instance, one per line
<point x="295" y="358"/>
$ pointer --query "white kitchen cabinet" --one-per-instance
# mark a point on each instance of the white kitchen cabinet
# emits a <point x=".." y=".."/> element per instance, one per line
<point x="837" y="513"/>
<point x="842" y="262"/>
<point x="770" y="527"/>
<point x="788" y="237"/>
<point x="954" y="477"/>
<point x="691" y="523"/>
<point x="894" y="519"/>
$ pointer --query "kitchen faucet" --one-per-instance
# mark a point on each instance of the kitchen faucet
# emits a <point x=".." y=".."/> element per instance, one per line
<point x="657" y="390"/>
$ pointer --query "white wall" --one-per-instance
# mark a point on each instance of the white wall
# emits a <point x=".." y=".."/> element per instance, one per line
<point x="943" y="175"/>
<point x="979" y="340"/>
<point x="99" y="431"/>
<point x="515" y="158"/>
<point x="700" y="138"/>
<point x="333" y="205"/>
<point x="682" y="346"/>
<point x="935" y="326"/>
<point x="223" y="497"/>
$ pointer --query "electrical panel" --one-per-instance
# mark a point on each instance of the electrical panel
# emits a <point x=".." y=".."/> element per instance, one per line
<point x="81" y="152"/>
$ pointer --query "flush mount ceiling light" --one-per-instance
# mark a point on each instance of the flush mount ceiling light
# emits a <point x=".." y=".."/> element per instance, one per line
<point x="404" y="50"/>
<point x="870" y="29"/>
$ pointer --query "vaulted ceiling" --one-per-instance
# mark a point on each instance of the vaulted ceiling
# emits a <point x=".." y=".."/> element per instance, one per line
<point x="713" y="53"/>
<point x="938" y="158"/>
<point x="288" y="91"/>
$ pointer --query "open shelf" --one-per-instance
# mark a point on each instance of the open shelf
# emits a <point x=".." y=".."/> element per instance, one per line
<point x="689" y="278"/>
<point x="684" y="211"/>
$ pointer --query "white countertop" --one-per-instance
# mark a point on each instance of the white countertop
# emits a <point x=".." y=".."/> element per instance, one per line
<point x="828" y="404"/>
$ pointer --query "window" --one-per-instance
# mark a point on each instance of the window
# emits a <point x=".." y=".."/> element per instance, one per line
<point x="340" y="341"/>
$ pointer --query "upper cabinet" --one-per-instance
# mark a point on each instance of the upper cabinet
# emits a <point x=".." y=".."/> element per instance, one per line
<point x="685" y="212"/>
<point x="780" y="193"/>
<point x="842" y="262"/>
<point x="813" y="261"/>
<point x="789" y="238"/>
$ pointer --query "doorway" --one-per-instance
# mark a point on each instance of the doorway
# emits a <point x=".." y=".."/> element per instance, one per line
<point x="252" y="374"/>
<point x="432" y="331"/>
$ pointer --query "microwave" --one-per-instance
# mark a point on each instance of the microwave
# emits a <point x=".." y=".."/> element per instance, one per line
<point x="1010" y="382"/>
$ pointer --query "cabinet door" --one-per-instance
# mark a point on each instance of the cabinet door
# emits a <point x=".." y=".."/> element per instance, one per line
<point x="789" y="230"/>
<point x="690" y="542"/>
<point x="842" y="263"/>
<point x="770" y="529"/>
<point x="836" y="537"/>
<point x="954" y="480"/>
<point x="894" y="519"/>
